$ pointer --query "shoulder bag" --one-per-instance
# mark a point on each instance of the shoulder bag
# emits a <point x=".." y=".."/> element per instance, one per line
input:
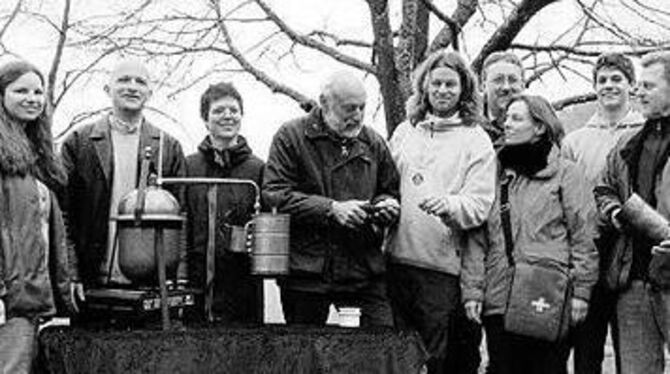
<point x="538" y="301"/>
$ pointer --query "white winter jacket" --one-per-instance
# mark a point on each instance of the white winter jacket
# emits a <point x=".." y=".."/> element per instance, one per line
<point x="440" y="157"/>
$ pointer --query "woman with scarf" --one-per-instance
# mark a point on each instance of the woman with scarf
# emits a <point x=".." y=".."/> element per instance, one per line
<point x="35" y="272"/>
<point x="550" y="218"/>
<point x="224" y="153"/>
<point x="447" y="167"/>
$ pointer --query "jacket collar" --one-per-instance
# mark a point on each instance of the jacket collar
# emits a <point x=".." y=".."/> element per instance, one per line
<point x="101" y="137"/>
<point x="228" y="157"/>
<point x="317" y="128"/>
<point x="630" y="152"/>
<point x="548" y="171"/>
<point x="632" y="119"/>
<point x="434" y="123"/>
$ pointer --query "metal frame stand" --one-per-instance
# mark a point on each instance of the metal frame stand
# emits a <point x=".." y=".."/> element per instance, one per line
<point x="159" y="251"/>
<point x="212" y="206"/>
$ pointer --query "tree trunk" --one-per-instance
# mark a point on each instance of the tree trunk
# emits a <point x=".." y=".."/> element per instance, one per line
<point x="387" y="75"/>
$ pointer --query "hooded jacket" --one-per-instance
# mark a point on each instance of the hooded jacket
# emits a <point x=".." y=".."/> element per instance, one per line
<point x="441" y="157"/>
<point x="552" y="216"/>
<point x="235" y="202"/>
<point x="589" y="145"/>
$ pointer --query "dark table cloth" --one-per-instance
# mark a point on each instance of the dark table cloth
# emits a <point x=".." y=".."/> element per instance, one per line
<point x="218" y="349"/>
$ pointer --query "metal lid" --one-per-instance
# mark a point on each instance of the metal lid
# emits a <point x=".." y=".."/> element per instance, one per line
<point x="157" y="202"/>
<point x="150" y="217"/>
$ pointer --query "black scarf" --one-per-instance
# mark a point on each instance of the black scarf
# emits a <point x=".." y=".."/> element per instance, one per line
<point x="526" y="158"/>
<point x="226" y="158"/>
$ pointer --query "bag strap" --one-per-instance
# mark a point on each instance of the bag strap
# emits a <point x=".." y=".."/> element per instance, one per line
<point x="506" y="220"/>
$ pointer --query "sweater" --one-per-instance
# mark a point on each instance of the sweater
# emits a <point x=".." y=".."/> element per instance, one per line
<point x="448" y="158"/>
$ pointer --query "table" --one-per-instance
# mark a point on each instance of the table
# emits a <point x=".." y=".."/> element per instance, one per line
<point x="220" y="349"/>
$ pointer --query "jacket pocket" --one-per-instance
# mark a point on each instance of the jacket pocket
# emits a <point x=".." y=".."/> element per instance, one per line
<point x="659" y="271"/>
<point x="308" y="250"/>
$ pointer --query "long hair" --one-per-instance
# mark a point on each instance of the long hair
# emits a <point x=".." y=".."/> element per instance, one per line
<point x="543" y="114"/>
<point x="469" y="102"/>
<point x="27" y="148"/>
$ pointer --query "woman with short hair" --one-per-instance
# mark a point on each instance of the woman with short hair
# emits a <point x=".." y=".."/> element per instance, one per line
<point x="224" y="153"/>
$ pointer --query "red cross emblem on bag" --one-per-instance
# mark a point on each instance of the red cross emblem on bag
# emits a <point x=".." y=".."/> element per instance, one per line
<point x="540" y="305"/>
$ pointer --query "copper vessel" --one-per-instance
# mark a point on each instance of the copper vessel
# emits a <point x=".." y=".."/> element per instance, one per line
<point x="137" y="234"/>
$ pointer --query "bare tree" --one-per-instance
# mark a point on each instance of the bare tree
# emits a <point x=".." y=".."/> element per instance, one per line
<point x="390" y="54"/>
<point x="254" y="37"/>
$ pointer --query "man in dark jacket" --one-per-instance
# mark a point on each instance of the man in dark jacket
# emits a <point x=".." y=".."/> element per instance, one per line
<point x="224" y="153"/>
<point x="102" y="160"/>
<point x="337" y="180"/>
<point x="638" y="168"/>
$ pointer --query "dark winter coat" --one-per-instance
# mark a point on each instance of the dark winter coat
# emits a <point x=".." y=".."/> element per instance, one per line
<point x="27" y="287"/>
<point x="88" y="160"/>
<point x="308" y="168"/>
<point x="612" y="190"/>
<point x="235" y="290"/>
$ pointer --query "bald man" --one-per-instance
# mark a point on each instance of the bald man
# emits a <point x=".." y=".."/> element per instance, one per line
<point x="102" y="160"/>
<point x="337" y="180"/>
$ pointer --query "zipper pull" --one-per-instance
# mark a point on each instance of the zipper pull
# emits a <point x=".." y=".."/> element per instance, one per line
<point x="345" y="151"/>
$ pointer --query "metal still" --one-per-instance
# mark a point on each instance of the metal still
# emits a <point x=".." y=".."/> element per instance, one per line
<point x="137" y="234"/>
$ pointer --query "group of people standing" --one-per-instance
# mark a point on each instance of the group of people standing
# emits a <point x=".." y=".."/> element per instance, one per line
<point x="411" y="231"/>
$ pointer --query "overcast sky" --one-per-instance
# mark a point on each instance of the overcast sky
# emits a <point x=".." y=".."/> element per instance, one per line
<point x="265" y="111"/>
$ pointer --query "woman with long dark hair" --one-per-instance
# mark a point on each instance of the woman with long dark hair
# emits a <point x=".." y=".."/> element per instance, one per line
<point x="35" y="276"/>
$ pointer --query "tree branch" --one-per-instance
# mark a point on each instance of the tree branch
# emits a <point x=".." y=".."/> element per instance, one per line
<point x="465" y="9"/>
<point x="651" y="8"/>
<point x="573" y="100"/>
<point x="261" y="76"/>
<point x="311" y="43"/>
<point x="454" y="28"/>
<point x="635" y="52"/>
<point x="67" y="84"/>
<point x="339" y="41"/>
<point x="58" y="54"/>
<point x="505" y="34"/>
<point x="554" y="48"/>
<point x="613" y="29"/>
<point x="11" y="18"/>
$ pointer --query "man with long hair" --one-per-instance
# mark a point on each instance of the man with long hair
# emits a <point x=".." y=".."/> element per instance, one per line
<point x="447" y="172"/>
